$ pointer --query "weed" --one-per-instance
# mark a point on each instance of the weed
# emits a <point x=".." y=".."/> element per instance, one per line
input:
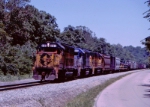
<point x="86" y="99"/>
<point x="8" y="77"/>
<point x="41" y="101"/>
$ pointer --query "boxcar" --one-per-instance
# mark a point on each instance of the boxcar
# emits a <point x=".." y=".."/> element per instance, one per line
<point x="107" y="64"/>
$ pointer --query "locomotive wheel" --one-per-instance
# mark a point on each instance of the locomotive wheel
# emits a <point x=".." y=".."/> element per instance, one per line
<point x="82" y="73"/>
<point x="96" y="72"/>
<point x="43" y="76"/>
<point x="90" y="72"/>
<point x="61" y="75"/>
<point x="75" y="74"/>
<point x="101" y="71"/>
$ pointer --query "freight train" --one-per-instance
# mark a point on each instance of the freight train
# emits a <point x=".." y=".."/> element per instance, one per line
<point x="57" y="61"/>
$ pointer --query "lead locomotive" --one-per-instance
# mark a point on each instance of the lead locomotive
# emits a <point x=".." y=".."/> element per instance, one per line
<point x="48" y="61"/>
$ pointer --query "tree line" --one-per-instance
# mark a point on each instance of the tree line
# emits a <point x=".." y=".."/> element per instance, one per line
<point x="23" y="27"/>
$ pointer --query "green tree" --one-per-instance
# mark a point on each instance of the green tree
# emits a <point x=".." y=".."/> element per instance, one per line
<point x="72" y="36"/>
<point x="147" y="16"/>
<point x="26" y="27"/>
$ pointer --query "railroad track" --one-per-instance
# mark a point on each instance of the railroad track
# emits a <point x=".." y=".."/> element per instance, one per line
<point x="29" y="84"/>
<point x="22" y="85"/>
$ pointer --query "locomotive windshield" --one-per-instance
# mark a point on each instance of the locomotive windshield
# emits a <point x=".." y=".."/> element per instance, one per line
<point x="78" y="52"/>
<point x="48" y="47"/>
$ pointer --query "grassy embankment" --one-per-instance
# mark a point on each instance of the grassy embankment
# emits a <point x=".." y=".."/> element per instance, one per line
<point x="8" y="77"/>
<point x="86" y="99"/>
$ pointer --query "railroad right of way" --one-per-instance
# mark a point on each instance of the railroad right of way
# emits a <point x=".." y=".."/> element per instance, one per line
<point x="52" y="95"/>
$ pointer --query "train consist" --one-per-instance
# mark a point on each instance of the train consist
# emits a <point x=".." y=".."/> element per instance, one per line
<point x="59" y="61"/>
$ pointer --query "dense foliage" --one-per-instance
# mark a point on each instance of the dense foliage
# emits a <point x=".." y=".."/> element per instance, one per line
<point x="23" y="27"/>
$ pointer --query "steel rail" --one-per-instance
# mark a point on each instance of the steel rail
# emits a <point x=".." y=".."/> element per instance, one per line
<point x="22" y="85"/>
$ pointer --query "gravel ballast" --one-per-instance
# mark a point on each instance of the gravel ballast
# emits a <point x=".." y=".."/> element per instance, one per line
<point x="52" y="95"/>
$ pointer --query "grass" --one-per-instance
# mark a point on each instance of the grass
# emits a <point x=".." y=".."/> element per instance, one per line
<point x="8" y="77"/>
<point x="41" y="101"/>
<point x="86" y="99"/>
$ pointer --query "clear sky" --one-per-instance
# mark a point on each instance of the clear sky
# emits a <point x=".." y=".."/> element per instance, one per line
<point x="118" y="21"/>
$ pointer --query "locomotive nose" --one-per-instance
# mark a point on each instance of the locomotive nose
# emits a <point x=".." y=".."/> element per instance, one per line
<point x="45" y="59"/>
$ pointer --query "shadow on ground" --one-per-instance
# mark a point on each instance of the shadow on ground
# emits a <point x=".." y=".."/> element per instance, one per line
<point x="147" y="95"/>
<point x="147" y="91"/>
<point x="146" y="85"/>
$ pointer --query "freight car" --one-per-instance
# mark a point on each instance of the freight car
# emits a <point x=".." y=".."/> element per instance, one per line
<point x="54" y="60"/>
<point x="115" y="64"/>
<point x="111" y="64"/>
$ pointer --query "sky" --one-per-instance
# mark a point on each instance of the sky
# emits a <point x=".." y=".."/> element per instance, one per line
<point x="118" y="21"/>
